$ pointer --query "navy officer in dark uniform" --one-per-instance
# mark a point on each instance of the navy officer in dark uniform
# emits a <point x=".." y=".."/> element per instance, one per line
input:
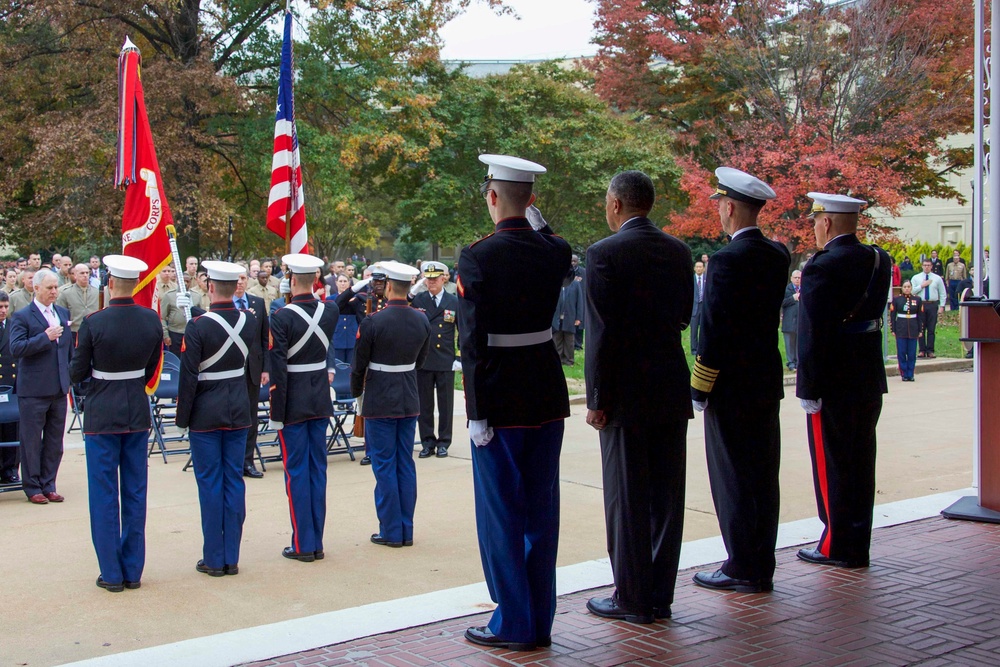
<point x="841" y="376"/>
<point x="212" y="403"/>
<point x="10" y="457"/>
<point x="738" y="374"/>
<point x="437" y="376"/>
<point x="301" y="333"/>
<point x="516" y="401"/>
<point x="392" y="344"/>
<point x="120" y="351"/>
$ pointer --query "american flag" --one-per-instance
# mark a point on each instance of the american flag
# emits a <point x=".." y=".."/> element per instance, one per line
<point x="287" y="198"/>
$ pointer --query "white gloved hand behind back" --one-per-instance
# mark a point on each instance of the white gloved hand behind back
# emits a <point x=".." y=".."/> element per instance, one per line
<point x="480" y="432"/>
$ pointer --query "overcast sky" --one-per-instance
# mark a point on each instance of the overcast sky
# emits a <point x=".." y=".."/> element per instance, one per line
<point x="545" y="29"/>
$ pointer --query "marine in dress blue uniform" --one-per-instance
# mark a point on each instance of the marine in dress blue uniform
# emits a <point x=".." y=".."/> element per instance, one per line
<point x="392" y="344"/>
<point x="300" y="403"/>
<point x="904" y="311"/>
<point x="738" y="373"/>
<point x="120" y="351"/>
<point x="516" y="401"/>
<point x="437" y="375"/>
<point x="212" y="403"/>
<point x="841" y="377"/>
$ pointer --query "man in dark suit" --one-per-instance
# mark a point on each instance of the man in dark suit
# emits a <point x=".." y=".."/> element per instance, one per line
<point x="302" y="334"/>
<point x="638" y="397"/>
<point x="258" y="364"/>
<point x="790" y="320"/>
<point x="516" y="401"/>
<point x="699" y="298"/>
<point x="41" y="339"/>
<point x="437" y="375"/>
<point x="120" y="352"/>
<point x="10" y="457"/>
<point x="737" y="381"/>
<point x="841" y="377"/>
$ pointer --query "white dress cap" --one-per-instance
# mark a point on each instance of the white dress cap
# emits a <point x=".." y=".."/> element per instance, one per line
<point x="824" y="203"/>
<point x="121" y="266"/>
<point x="433" y="269"/>
<point x="741" y="186"/>
<point x="302" y="263"/>
<point x="224" y="271"/>
<point x="394" y="270"/>
<point x="510" y="168"/>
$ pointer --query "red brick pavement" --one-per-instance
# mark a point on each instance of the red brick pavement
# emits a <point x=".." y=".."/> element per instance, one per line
<point x="931" y="597"/>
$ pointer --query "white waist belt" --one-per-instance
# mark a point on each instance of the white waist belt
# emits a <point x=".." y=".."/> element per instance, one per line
<point x="518" y="340"/>
<point x="907" y="316"/>
<point x="120" y="375"/>
<point x="386" y="368"/>
<point x="306" y="368"/>
<point x="221" y="375"/>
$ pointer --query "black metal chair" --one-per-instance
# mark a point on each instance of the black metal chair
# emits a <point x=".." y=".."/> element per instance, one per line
<point x="9" y="415"/>
<point x="266" y="437"/>
<point x="344" y="406"/>
<point x="77" y="394"/>
<point x="163" y="410"/>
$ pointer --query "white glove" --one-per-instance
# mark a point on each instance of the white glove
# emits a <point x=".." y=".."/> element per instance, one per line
<point x="285" y="286"/>
<point x="183" y="432"/>
<point x="811" y="407"/>
<point x="360" y="285"/>
<point x="416" y="286"/>
<point x="699" y="405"/>
<point x="183" y="301"/>
<point x="535" y="218"/>
<point x="275" y="426"/>
<point x="456" y="365"/>
<point x="480" y="433"/>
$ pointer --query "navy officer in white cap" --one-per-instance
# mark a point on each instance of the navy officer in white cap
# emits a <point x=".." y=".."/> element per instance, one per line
<point x="120" y="351"/>
<point x="437" y="377"/>
<point x="212" y="403"/>
<point x="737" y="381"/>
<point x="516" y="401"/>
<point x="301" y="334"/>
<point x="392" y="345"/>
<point x="841" y="376"/>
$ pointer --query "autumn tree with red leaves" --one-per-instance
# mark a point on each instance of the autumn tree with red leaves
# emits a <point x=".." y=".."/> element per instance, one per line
<point x="849" y="98"/>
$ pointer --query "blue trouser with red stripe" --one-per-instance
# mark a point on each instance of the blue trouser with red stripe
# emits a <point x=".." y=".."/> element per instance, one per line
<point x="119" y="537"/>
<point x="390" y="441"/>
<point x="516" y="482"/>
<point x="303" y="449"/>
<point x="842" y="447"/>
<point x="218" y="469"/>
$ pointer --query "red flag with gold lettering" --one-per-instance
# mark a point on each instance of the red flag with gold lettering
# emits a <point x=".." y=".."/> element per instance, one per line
<point x="147" y="215"/>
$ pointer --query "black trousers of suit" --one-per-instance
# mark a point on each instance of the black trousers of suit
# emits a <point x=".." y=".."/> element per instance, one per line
<point x="253" y="394"/>
<point x="10" y="457"/>
<point x="644" y="476"/>
<point x="43" y="421"/>
<point x="743" y="444"/>
<point x="443" y="384"/>
<point x="695" y="327"/>
<point x="928" y="323"/>
<point x="842" y="447"/>
<point x="176" y="341"/>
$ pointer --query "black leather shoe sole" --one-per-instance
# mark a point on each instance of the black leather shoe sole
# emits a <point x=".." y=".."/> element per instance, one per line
<point x="305" y="556"/>
<point x="425" y="453"/>
<point x="815" y="557"/>
<point x="407" y="543"/>
<point x="619" y="614"/>
<point x="382" y="542"/>
<point x="210" y="571"/>
<point x="232" y="570"/>
<point x="111" y="588"/>
<point x="319" y="555"/>
<point x="483" y="637"/>
<point x="133" y="585"/>
<point x="730" y="584"/>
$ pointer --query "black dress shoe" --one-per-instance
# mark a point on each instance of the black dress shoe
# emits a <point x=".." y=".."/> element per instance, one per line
<point x="816" y="557"/>
<point x="250" y="471"/>
<point x="483" y="636"/>
<point x="442" y="452"/>
<point x="367" y="461"/>
<point x="661" y="611"/>
<point x="132" y="585"/>
<point x="544" y="642"/>
<point x="231" y="569"/>
<point x="426" y="452"/>
<point x="613" y="608"/>
<point x="319" y="555"/>
<point x="111" y="588"/>
<point x="720" y="581"/>
<point x="210" y="571"/>
<point x="381" y="541"/>
<point x="407" y="543"/>
<point x="304" y="556"/>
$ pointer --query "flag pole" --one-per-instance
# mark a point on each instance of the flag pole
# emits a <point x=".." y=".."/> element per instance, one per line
<point x="181" y="287"/>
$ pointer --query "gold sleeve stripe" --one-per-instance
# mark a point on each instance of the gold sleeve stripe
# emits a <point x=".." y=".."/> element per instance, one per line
<point x="703" y="378"/>
<point x="702" y="385"/>
<point x="704" y="370"/>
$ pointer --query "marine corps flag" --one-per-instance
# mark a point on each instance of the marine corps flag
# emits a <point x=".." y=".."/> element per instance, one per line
<point x="146" y="218"/>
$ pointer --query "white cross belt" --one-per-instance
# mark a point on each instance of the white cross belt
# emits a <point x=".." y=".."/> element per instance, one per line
<point x="312" y="330"/>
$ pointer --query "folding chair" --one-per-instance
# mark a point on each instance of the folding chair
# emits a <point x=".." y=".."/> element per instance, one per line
<point x="76" y="395"/>
<point x="266" y="437"/>
<point x="9" y="415"/>
<point x="344" y="406"/>
<point x="161" y="404"/>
